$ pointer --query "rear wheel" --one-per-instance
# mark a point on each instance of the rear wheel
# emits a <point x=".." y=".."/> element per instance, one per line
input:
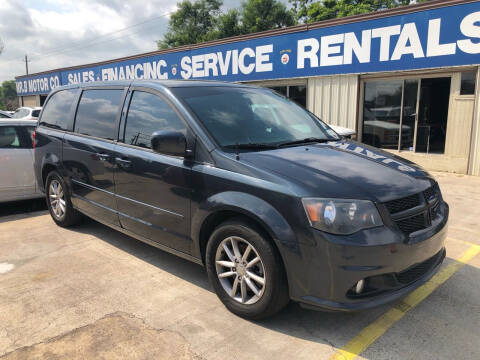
<point x="59" y="202"/>
<point x="246" y="271"/>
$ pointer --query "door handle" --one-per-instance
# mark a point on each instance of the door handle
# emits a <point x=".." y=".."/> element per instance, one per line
<point x="102" y="156"/>
<point x="123" y="162"/>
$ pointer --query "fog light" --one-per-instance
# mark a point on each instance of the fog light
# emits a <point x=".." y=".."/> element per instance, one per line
<point x="359" y="287"/>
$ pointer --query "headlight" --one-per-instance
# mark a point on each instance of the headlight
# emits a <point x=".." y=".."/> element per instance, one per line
<point x="339" y="216"/>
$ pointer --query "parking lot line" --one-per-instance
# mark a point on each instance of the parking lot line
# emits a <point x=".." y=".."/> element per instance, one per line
<point x="373" y="331"/>
<point x="465" y="229"/>
<point x="462" y="241"/>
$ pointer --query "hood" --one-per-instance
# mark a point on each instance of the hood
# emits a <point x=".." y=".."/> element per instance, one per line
<point x="343" y="169"/>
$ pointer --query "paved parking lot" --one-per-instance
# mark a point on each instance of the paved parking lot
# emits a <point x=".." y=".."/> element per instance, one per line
<point x="91" y="292"/>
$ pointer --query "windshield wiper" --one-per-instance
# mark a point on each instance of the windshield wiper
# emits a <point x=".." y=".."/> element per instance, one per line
<point x="303" y="141"/>
<point x="251" y="146"/>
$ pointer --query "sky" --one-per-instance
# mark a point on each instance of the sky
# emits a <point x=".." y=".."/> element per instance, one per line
<point x="61" y="33"/>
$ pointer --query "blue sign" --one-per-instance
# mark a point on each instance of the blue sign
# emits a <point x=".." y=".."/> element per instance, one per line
<point x="447" y="36"/>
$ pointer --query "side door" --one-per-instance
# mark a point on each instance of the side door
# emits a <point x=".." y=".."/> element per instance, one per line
<point x="88" y="152"/>
<point x="152" y="190"/>
<point x="16" y="163"/>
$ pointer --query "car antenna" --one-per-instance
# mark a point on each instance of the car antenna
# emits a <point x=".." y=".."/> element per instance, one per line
<point x="237" y="155"/>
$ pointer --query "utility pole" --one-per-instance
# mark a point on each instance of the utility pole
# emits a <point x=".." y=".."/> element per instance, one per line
<point x="26" y="63"/>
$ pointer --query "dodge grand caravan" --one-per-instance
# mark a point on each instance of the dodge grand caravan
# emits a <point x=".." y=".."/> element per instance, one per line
<point x="265" y="195"/>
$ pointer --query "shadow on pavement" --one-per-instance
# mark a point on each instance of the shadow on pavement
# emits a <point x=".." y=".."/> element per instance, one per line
<point x="335" y="329"/>
<point x="332" y="328"/>
<point x="25" y="208"/>
<point x="182" y="268"/>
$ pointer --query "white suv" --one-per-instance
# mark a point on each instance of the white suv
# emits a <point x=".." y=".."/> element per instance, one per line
<point x="27" y="113"/>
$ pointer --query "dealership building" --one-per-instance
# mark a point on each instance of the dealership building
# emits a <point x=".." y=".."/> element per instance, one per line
<point x="406" y="80"/>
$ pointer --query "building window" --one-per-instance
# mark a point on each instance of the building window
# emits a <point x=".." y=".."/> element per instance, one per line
<point x="297" y="93"/>
<point x="280" y="89"/>
<point x="406" y="114"/>
<point x="467" y="86"/>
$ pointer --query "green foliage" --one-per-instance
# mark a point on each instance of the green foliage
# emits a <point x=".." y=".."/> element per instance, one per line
<point x="8" y="95"/>
<point x="229" y="24"/>
<point x="192" y="23"/>
<point x="307" y="11"/>
<point x="261" y="15"/>
<point x="202" y="20"/>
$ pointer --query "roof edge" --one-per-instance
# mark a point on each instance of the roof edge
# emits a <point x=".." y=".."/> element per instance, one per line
<point x="434" y="4"/>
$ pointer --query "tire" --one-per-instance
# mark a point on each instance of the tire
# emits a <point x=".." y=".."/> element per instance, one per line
<point x="68" y="216"/>
<point x="270" y="297"/>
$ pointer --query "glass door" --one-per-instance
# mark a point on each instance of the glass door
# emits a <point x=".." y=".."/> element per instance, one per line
<point x="432" y="115"/>
<point x="408" y="114"/>
<point x="381" y="113"/>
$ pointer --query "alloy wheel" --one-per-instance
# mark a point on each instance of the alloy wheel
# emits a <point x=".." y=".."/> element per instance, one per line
<point x="57" y="199"/>
<point x="240" y="270"/>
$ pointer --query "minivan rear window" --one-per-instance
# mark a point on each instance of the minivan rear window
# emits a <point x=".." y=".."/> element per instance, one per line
<point x="57" y="109"/>
<point x="97" y="113"/>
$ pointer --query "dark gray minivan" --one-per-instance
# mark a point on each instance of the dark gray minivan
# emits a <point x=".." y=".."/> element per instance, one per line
<point x="270" y="199"/>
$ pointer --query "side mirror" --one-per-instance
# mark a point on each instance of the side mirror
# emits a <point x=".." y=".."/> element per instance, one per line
<point x="169" y="143"/>
<point x="343" y="131"/>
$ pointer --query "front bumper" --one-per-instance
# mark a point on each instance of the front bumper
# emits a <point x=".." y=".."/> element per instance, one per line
<point x="391" y="265"/>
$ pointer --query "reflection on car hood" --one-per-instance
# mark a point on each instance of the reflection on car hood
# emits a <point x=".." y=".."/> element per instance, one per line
<point x="344" y="169"/>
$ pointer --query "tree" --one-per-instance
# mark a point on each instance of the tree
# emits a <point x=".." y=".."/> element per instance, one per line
<point x="229" y="24"/>
<point x="261" y="15"/>
<point x="202" y="20"/>
<point x="192" y="23"/>
<point x="8" y="95"/>
<point x="307" y="11"/>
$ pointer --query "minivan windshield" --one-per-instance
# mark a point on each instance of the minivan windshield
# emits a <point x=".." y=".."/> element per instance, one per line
<point x="249" y="118"/>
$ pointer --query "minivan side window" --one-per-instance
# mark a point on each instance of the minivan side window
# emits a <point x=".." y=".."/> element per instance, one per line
<point x="97" y="113"/>
<point x="149" y="113"/>
<point x="56" y="112"/>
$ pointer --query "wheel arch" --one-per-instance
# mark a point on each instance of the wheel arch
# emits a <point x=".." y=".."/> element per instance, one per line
<point x="47" y="169"/>
<point x="229" y="205"/>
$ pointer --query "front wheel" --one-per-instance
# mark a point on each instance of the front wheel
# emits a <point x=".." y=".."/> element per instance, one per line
<point x="246" y="271"/>
<point x="59" y="202"/>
